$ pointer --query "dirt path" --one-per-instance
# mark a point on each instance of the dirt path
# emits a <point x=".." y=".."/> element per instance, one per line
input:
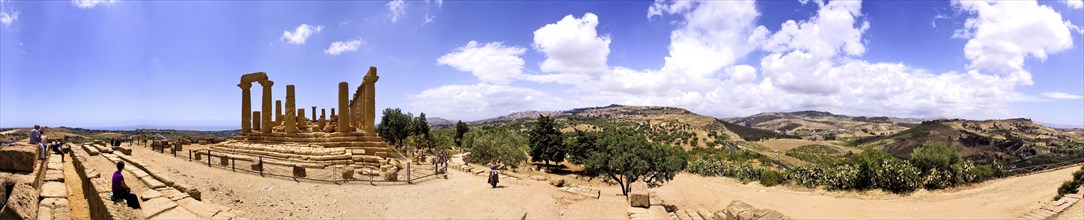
<point x="76" y="201"/>
<point x="997" y="199"/>
<point x="462" y="196"/>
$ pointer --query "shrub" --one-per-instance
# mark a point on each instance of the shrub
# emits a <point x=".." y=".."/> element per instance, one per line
<point x="896" y="176"/>
<point x="983" y="172"/>
<point x="805" y="176"/>
<point x="1071" y="186"/>
<point x="934" y="155"/>
<point x="747" y="173"/>
<point x="772" y="177"/>
<point x="869" y="163"/>
<point x="841" y="177"/>
<point x="706" y="167"/>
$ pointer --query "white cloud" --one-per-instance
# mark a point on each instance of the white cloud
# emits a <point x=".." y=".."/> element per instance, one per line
<point x="1004" y="33"/>
<point x="396" y="10"/>
<point x="491" y="63"/>
<point x="1061" y="95"/>
<point x="481" y="100"/>
<point x="7" y="17"/>
<point x="572" y="46"/>
<point x="92" y="3"/>
<point x="301" y="34"/>
<point x="1075" y="4"/>
<point x="338" y="47"/>
<point x="834" y="29"/>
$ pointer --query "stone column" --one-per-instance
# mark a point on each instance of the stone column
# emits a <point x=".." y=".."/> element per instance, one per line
<point x="344" y="108"/>
<point x="291" y="117"/>
<point x="278" y="112"/>
<point x="246" y="107"/>
<point x="313" y="113"/>
<point x="323" y="121"/>
<point x="332" y="113"/>
<point x="256" y="120"/>
<point x="369" y="101"/>
<point x="266" y="126"/>
<point x="302" y="122"/>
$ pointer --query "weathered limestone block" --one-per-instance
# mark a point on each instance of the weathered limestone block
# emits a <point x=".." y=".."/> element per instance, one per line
<point x="558" y="182"/>
<point x="188" y="189"/>
<point x="198" y="208"/>
<point x="53" y="176"/>
<point x="738" y="210"/>
<point x="224" y="160"/>
<point x="22" y="203"/>
<point x="54" y="190"/>
<point x="151" y="194"/>
<point x="255" y="124"/>
<point x="302" y="122"/>
<point x="157" y="206"/>
<point x="18" y="158"/>
<point x="299" y="172"/>
<point x="638" y="195"/>
<point x="125" y="150"/>
<point x="348" y="172"/>
<point x="344" y="108"/>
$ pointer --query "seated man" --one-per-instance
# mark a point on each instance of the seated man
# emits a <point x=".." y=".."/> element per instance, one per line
<point x="35" y="139"/>
<point x="121" y="190"/>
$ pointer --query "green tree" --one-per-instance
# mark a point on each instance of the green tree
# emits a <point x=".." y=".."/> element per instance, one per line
<point x="934" y="156"/>
<point x="394" y="126"/>
<point x="420" y="128"/>
<point x="627" y="158"/>
<point x="580" y="145"/>
<point x="545" y="141"/>
<point x="501" y="145"/>
<point x="460" y="129"/>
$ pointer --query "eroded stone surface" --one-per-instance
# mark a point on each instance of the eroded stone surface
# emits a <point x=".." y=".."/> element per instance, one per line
<point x="54" y="190"/>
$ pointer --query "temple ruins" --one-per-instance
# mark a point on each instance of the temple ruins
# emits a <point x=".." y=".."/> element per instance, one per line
<point x="293" y="139"/>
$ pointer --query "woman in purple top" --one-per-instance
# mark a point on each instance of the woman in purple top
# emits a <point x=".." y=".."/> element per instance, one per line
<point x="121" y="190"/>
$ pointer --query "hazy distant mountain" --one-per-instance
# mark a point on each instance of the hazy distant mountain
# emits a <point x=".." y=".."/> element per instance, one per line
<point x="438" y="121"/>
<point x="816" y="124"/>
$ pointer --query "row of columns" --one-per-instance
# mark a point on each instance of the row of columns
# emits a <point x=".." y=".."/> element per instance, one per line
<point x="251" y="121"/>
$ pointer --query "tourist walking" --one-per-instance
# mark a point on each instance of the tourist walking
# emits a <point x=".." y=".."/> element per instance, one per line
<point x="493" y="166"/>
<point x="121" y="190"/>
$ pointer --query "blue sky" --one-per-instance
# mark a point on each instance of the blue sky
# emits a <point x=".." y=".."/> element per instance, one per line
<point x="177" y="63"/>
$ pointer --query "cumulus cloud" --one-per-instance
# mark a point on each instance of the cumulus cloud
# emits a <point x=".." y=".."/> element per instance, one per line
<point x="92" y="3"/>
<point x="1004" y="33"/>
<point x="481" y="100"/>
<point x="1075" y="4"/>
<point x="1061" y="95"/>
<point x="572" y="46"/>
<point x="492" y="62"/>
<point x="339" y="47"/>
<point x="833" y="30"/>
<point x="814" y="63"/>
<point x="396" y="10"/>
<point x="301" y="34"/>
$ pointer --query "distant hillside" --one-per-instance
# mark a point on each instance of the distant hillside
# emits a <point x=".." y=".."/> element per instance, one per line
<point x="825" y="125"/>
<point x="669" y="125"/>
<point x="82" y="134"/>
<point x="1012" y="140"/>
<point x="438" y="121"/>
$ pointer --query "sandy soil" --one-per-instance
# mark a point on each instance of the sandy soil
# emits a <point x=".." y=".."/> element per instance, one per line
<point x="460" y="196"/>
<point x="76" y="201"/>
<point x="997" y="199"/>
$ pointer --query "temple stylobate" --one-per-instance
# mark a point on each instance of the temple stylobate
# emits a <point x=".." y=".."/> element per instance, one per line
<point x="293" y="138"/>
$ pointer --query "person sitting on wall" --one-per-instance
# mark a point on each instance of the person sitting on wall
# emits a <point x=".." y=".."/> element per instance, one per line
<point x="121" y="190"/>
<point x="35" y="139"/>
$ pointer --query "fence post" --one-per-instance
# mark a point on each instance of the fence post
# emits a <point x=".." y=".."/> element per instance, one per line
<point x="233" y="164"/>
<point x="408" y="180"/>
<point x="208" y="157"/>
<point x="260" y="163"/>
<point x="189" y="155"/>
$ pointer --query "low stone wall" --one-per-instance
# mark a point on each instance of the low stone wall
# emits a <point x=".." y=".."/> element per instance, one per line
<point x="96" y="190"/>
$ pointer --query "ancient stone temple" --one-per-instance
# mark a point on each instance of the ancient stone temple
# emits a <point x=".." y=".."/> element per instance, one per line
<point x="295" y="140"/>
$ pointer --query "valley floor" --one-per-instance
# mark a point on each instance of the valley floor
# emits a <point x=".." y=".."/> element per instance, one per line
<point x="467" y="196"/>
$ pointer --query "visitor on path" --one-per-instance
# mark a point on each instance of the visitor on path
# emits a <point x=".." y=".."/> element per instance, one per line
<point x="58" y="148"/>
<point x="493" y="166"/>
<point x="35" y="138"/>
<point x="121" y="190"/>
<point x="442" y="160"/>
